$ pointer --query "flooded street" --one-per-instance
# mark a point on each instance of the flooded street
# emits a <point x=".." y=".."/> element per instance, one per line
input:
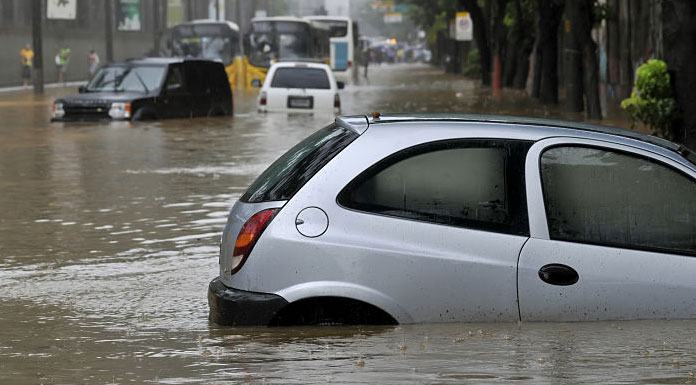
<point x="109" y="237"/>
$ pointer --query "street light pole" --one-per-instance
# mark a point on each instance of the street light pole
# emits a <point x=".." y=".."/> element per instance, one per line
<point x="109" y="23"/>
<point x="38" y="46"/>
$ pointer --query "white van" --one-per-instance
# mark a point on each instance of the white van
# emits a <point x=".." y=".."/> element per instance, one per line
<point x="300" y="87"/>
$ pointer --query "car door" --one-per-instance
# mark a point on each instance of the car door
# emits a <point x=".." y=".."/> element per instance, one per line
<point x="339" y="55"/>
<point x="613" y="234"/>
<point x="176" y="99"/>
<point x="434" y="228"/>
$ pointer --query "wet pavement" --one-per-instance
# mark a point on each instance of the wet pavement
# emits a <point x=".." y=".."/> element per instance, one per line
<point x="109" y="236"/>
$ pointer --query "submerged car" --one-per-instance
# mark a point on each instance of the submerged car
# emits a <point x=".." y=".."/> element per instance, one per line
<point x="415" y="219"/>
<point x="299" y="87"/>
<point x="152" y="88"/>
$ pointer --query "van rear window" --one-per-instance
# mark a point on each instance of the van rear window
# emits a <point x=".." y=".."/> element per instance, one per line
<point x="293" y="169"/>
<point x="301" y="78"/>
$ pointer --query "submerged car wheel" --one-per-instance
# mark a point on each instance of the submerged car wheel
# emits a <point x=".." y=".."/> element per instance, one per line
<point x="331" y="311"/>
<point x="217" y="111"/>
<point x="144" y="114"/>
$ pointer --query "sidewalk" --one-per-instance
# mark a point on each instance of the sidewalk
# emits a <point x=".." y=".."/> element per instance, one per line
<point x="46" y="85"/>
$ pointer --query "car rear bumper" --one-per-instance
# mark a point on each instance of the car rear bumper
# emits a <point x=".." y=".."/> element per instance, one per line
<point x="233" y="307"/>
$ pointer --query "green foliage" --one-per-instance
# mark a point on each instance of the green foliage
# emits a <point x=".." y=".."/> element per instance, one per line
<point x="441" y="24"/>
<point x="521" y="27"/>
<point x="510" y="17"/>
<point x="652" y="100"/>
<point x="472" y="68"/>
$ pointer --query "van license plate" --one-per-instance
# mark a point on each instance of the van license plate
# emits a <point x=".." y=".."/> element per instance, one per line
<point x="300" y="102"/>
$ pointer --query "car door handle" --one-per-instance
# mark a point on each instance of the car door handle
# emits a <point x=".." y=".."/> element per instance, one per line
<point x="559" y="275"/>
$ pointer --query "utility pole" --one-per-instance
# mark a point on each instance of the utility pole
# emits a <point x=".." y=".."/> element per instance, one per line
<point x="157" y="22"/>
<point x="109" y="24"/>
<point x="38" y="46"/>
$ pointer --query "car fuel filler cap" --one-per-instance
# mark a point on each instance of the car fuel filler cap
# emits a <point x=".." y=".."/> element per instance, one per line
<point x="312" y="222"/>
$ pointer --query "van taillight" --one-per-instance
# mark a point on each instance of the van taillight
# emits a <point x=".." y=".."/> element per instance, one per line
<point x="248" y="235"/>
<point x="262" y="99"/>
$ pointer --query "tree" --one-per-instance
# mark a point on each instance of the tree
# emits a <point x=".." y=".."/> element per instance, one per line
<point x="545" y="85"/>
<point x="679" y="30"/>
<point x="481" y="36"/>
<point x="582" y="70"/>
<point x="519" y="19"/>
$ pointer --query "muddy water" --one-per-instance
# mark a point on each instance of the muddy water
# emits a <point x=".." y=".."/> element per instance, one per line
<point x="109" y="236"/>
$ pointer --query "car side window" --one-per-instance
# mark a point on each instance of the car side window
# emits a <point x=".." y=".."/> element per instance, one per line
<point x="611" y="198"/>
<point x="476" y="184"/>
<point x="175" y="80"/>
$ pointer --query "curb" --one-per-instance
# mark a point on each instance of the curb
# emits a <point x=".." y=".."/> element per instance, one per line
<point x="48" y="85"/>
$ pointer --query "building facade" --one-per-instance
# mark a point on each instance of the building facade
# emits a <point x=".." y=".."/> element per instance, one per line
<point x="138" y="28"/>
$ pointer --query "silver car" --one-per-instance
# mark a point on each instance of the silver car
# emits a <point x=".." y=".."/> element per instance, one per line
<point x="413" y="219"/>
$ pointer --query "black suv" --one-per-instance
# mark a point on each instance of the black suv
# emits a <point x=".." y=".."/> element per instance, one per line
<point x="150" y="88"/>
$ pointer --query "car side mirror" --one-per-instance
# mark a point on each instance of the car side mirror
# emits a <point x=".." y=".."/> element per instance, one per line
<point x="256" y="83"/>
<point x="340" y="85"/>
<point x="82" y="89"/>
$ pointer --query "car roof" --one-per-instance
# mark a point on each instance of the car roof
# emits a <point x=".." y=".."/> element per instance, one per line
<point x="301" y="63"/>
<point x="327" y="18"/>
<point x="233" y="26"/>
<point x="561" y="127"/>
<point x="159" y="61"/>
<point x="280" y="18"/>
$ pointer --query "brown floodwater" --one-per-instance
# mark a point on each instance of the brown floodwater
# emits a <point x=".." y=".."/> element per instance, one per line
<point x="109" y="236"/>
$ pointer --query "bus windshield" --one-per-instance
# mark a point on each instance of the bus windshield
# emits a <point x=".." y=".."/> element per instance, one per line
<point x="275" y="40"/>
<point x="208" y="41"/>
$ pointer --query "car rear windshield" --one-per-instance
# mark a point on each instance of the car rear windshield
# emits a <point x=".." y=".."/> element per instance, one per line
<point x="291" y="171"/>
<point x="301" y="78"/>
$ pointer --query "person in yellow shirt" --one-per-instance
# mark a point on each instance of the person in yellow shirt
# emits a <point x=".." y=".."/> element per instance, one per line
<point x="26" y="57"/>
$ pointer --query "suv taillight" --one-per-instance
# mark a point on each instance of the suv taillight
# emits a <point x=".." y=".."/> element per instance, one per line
<point x="248" y="235"/>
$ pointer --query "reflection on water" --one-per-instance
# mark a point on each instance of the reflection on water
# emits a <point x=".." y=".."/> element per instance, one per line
<point x="109" y="236"/>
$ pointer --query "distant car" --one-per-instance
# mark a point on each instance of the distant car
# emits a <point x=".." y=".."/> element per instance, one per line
<point x="299" y="87"/>
<point x="413" y="219"/>
<point x="152" y="88"/>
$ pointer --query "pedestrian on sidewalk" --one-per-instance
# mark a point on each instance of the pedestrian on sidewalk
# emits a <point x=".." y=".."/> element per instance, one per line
<point x="62" y="61"/>
<point x="26" y="56"/>
<point x="93" y="62"/>
<point x="365" y="60"/>
<point x="59" y="70"/>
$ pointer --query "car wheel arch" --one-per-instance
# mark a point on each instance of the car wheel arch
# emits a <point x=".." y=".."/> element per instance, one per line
<point x="331" y="311"/>
<point x="144" y="113"/>
<point x="347" y="291"/>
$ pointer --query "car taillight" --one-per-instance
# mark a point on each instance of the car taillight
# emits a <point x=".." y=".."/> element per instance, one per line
<point x="337" y="101"/>
<point x="248" y="235"/>
<point x="262" y="99"/>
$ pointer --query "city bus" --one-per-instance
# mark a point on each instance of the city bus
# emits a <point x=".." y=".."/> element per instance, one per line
<point x="209" y="39"/>
<point x="277" y="38"/>
<point x="344" y="40"/>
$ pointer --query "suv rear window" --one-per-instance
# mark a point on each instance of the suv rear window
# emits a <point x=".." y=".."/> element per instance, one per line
<point x="301" y="78"/>
<point x="291" y="171"/>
